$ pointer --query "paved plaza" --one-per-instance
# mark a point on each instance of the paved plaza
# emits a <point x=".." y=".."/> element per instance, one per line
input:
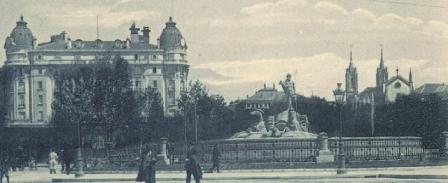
<point x="394" y="174"/>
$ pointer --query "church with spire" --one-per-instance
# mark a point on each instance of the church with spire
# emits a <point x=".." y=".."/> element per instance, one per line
<point x="387" y="89"/>
<point x="161" y="65"/>
<point x="351" y="82"/>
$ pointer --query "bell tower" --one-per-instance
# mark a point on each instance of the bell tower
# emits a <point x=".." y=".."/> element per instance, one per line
<point x="351" y="81"/>
<point x="382" y="74"/>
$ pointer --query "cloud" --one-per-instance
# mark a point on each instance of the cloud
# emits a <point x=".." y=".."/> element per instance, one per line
<point x="110" y="15"/>
<point x="438" y="27"/>
<point x="330" y="8"/>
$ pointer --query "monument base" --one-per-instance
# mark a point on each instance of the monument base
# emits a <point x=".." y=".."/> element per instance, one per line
<point x="163" y="159"/>
<point x="325" y="157"/>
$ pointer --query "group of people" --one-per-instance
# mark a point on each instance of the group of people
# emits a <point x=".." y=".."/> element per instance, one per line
<point x="148" y="160"/>
<point x="66" y="161"/>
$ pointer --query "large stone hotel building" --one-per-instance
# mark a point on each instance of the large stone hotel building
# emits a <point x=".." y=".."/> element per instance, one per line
<point x="162" y="65"/>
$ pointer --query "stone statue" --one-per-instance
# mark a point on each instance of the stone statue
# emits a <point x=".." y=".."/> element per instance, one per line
<point x="288" y="123"/>
<point x="257" y="130"/>
<point x="289" y="89"/>
<point x="260" y="126"/>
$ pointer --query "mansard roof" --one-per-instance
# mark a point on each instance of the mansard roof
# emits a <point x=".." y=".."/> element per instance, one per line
<point x="93" y="45"/>
<point x="266" y="95"/>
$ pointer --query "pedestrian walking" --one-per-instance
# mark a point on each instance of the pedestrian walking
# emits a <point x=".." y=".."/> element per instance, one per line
<point x="52" y="162"/>
<point x="32" y="164"/>
<point x="215" y="159"/>
<point x="4" y="170"/>
<point x="141" y="168"/>
<point x="150" y="169"/>
<point x="66" y="161"/>
<point x="192" y="166"/>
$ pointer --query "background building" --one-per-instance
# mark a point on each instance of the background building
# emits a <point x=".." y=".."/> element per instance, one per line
<point x="440" y="89"/>
<point x="386" y="89"/>
<point x="265" y="98"/>
<point x="162" y="65"/>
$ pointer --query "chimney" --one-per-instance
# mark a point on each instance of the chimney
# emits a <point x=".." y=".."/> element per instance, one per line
<point x="146" y="35"/>
<point x="265" y="86"/>
<point x="273" y="86"/>
<point x="134" y="33"/>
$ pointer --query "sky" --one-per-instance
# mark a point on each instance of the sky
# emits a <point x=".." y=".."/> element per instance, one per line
<point x="235" y="46"/>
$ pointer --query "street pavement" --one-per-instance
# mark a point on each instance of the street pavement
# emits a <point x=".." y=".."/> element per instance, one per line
<point x="394" y="174"/>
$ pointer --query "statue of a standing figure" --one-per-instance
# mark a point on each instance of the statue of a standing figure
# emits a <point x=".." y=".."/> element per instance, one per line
<point x="289" y="89"/>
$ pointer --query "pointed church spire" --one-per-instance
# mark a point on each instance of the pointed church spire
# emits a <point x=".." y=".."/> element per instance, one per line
<point x="351" y="55"/>
<point x="411" y="83"/>
<point x="381" y="60"/>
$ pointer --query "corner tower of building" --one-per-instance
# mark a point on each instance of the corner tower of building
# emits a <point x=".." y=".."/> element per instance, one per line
<point x="175" y="65"/>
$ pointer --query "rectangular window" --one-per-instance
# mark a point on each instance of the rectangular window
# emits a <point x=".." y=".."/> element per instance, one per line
<point x="40" y="116"/>
<point x="138" y="85"/>
<point x="39" y="71"/>
<point x="21" y="88"/>
<point x="172" y="99"/>
<point x="154" y="70"/>
<point x="171" y="86"/>
<point x="22" y="115"/>
<point x="154" y="83"/>
<point x="40" y="100"/>
<point x="40" y="85"/>
<point x="21" y="101"/>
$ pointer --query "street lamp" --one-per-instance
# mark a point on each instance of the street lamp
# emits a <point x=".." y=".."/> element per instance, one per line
<point x="339" y="99"/>
<point x="192" y="99"/>
<point x="79" y="171"/>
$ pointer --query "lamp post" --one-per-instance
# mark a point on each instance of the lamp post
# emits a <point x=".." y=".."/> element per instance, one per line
<point x="185" y="123"/>
<point x="192" y="99"/>
<point x="79" y="170"/>
<point x="339" y="99"/>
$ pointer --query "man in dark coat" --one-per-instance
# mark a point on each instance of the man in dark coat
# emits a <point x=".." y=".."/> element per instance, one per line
<point x="192" y="166"/>
<point x="66" y="159"/>
<point x="4" y="170"/>
<point x="151" y="170"/>
<point x="141" y="169"/>
<point x="215" y="158"/>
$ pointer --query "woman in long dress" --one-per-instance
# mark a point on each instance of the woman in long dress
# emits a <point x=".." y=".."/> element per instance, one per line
<point x="52" y="162"/>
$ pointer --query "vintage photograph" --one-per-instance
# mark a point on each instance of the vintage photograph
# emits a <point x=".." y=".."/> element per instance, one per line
<point x="223" y="91"/>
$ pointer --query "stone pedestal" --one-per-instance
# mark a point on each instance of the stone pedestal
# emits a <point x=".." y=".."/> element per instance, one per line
<point x="163" y="155"/>
<point x="325" y="155"/>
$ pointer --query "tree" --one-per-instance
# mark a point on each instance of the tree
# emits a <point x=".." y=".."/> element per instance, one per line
<point x="73" y="104"/>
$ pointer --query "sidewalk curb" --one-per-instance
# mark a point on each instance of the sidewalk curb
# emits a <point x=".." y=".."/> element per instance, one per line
<point x="361" y="176"/>
<point x="276" y="170"/>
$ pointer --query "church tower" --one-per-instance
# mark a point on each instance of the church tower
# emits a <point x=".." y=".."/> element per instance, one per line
<point x="381" y="73"/>
<point x="411" y="83"/>
<point x="351" y="81"/>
